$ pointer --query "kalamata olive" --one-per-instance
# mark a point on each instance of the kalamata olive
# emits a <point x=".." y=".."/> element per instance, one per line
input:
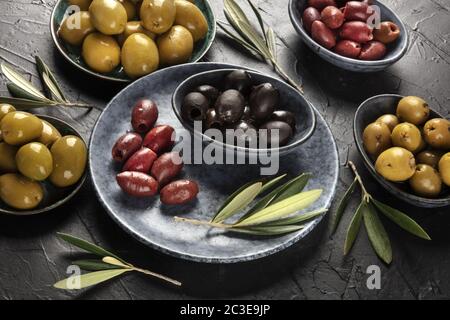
<point x="194" y="106"/>
<point x="348" y="48"/>
<point x="373" y="50"/>
<point x="320" y="4"/>
<point x="230" y="106"/>
<point x="144" y="115"/>
<point x="137" y="184"/>
<point x="332" y="17"/>
<point x="277" y="130"/>
<point x="323" y="35"/>
<point x="246" y="134"/>
<point x="310" y="15"/>
<point x="125" y="146"/>
<point x="179" y="192"/>
<point x="357" y="10"/>
<point x="285" y="116"/>
<point x="212" y="121"/>
<point x="386" y="32"/>
<point x="167" y="167"/>
<point x="160" y="138"/>
<point x="357" y="31"/>
<point x="239" y="80"/>
<point x="263" y="100"/>
<point x="141" y="161"/>
<point x="211" y="93"/>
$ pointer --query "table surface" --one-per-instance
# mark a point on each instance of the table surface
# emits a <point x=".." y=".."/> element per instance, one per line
<point x="32" y="258"/>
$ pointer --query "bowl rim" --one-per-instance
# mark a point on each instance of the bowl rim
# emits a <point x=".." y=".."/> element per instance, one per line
<point x="296" y="21"/>
<point x="61" y="49"/>
<point x="64" y="200"/>
<point x="389" y="186"/>
<point x="205" y="138"/>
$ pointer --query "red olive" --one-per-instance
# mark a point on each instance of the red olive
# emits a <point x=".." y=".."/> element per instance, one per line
<point x="320" y="4"/>
<point x="167" y="167"/>
<point x="137" y="184"/>
<point x="356" y="31"/>
<point x="310" y="15"/>
<point x="160" y="138"/>
<point x="323" y="35"/>
<point x="373" y="50"/>
<point x="179" y="192"/>
<point x="140" y="161"/>
<point x="348" y="48"/>
<point x="125" y="146"/>
<point x="357" y="10"/>
<point x="332" y="17"/>
<point x="144" y="116"/>
<point x="386" y="32"/>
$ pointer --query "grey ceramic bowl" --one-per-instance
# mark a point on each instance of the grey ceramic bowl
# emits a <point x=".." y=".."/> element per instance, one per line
<point x="53" y="196"/>
<point x="290" y="100"/>
<point x="368" y="112"/>
<point x="395" y="50"/>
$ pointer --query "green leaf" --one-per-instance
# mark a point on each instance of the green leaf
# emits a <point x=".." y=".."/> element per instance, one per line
<point x="89" y="279"/>
<point x="354" y="227"/>
<point x="260" y="19"/>
<point x="25" y="104"/>
<point x="271" y="42"/>
<point x="377" y="234"/>
<point x="282" y="209"/>
<point x="238" y="202"/>
<point x="297" y="218"/>
<point x="402" y="220"/>
<point x="20" y="81"/>
<point x="267" y="230"/>
<point x="248" y="46"/>
<point x="343" y="204"/>
<point x="115" y="262"/>
<point x="18" y="92"/>
<point x="269" y="184"/>
<point x="94" y="265"/>
<point x="49" y="80"/>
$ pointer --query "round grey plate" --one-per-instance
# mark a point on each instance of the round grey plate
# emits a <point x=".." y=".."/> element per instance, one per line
<point x="152" y="223"/>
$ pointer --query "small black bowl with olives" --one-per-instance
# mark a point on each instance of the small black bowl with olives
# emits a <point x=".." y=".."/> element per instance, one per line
<point x="264" y="113"/>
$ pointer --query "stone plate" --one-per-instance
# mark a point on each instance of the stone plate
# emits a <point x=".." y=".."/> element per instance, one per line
<point x="152" y="223"/>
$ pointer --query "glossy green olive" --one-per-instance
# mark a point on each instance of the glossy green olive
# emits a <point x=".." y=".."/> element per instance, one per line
<point x="429" y="157"/>
<point x="108" y="16"/>
<point x="426" y="181"/>
<point x="5" y="109"/>
<point x="376" y="138"/>
<point x="131" y="28"/>
<point x="101" y="53"/>
<point x="396" y="164"/>
<point x="20" y="127"/>
<point x="408" y="136"/>
<point x="191" y="17"/>
<point x="175" y="46"/>
<point x="49" y="134"/>
<point x="139" y="55"/>
<point x="444" y="168"/>
<point x="7" y="158"/>
<point x="34" y="161"/>
<point x="82" y="4"/>
<point x="158" y="16"/>
<point x="413" y="109"/>
<point x="76" y="27"/>
<point x="20" y="192"/>
<point x="130" y="9"/>
<point x="69" y="161"/>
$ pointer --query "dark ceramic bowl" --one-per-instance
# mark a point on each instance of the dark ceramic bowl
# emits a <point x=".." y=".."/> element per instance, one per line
<point x="290" y="100"/>
<point x="395" y="51"/>
<point x="73" y="54"/>
<point x="53" y="196"/>
<point x="368" y="112"/>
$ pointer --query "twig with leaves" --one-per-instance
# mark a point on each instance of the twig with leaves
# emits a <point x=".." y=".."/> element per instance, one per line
<point x="270" y="215"/>
<point x="106" y="268"/>
<point x="367" y="211"/>
<point x="260" y="44"/>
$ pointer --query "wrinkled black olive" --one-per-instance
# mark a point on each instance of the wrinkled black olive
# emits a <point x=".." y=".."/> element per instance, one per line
<point x="285" y="132"/>
<point x="209" y="92"/>
<point x="263" y="101"/>
<point x="230" y="106"/>
<point x="194" y="107"/>
<point x="285" y="116"/>
<point x="212" y="121"/>
<point x="238" y="80"/>
<point x="247" y="135"/>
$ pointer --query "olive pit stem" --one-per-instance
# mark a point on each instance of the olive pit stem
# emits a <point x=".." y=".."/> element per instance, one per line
<point x="366" y="195"/>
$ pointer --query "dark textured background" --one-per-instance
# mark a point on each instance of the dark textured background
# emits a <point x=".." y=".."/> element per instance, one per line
<point x="32" y="258"/>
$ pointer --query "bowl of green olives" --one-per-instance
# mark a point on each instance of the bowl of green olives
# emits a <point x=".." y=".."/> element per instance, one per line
<point x="261" y="113"/>
<point x="405" y="145"/>
<point x="42" y="162"/>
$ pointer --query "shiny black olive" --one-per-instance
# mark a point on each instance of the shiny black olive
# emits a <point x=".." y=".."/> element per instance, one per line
<point x="263" y="101"/>
<point x="284" y="130"/>
<point x="238" y="80"/>
<point x="210" y="92"/>
<point x="194" y="107"/>
<point x="285" y="116"/>
<point x="230" y="106"/>
<point x="246" y="134"/>
<point x="212" y="121"/>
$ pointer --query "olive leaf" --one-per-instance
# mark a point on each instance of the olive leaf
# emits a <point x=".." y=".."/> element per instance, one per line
<point x="294" y="220"/>
<point x="94" y="265"/>
<point x="49" y="80"/>
<point x="343" y="204"/>
<point x="21" y="82"/>
<point x="19" y="92"/>
<point x="354" y="227"/>
<point x="269" y="184"/>
<point x="88" y="279"/>
<point x="377" y="234"/>
<point x="24" y="104"/>
<point x="271" y="42"/>
<point x="267" y="230"/>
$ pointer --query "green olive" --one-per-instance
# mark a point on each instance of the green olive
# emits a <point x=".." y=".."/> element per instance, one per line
<point x="7" y="158"/>
<point x="389" y="119"/>
<point x="69" y="161"/>
<point x="130" y="8"/>
<point x="49" y="134"/>
<point x="5" y="109"/>
<point x="101" y="53"/>
<point x="20" y="192"/>
<point x="408" y="136"/>
<point x="139" y="55"/>
<point x="437" y="133"/>
<point x="134" y="27"/>
<point x="376" y="138"/>
<point x="429" y="157"/>
<point x="20" y="127"/>
<point x="158" y="15"/>
<point x="396" y="164"/>
<point x="108" y="16"/>
<point x="426" y="181"/>
<point x="444" y="168"/>
<point x="191" y="17"/>
<point x="82" y="4"/>
<point x="414" y="110"/>
<point x="76" y="27"/>
<point x="34" y="161"/>
<point x="175" y="46"/>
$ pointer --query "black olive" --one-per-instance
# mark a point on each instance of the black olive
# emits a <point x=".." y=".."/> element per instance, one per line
<point x="285" y="132"/>
<point x="230" y="106"/>
<point x="285" y="116"/>
<point x="238" y="80"/>
<point x="245" y="134"/>
<point x="263" y="101"/>
<point x="247" y="113"/>
<point x="210" y="92"/>
<point x="194" y="107"/>
<point x="212" y="121"/>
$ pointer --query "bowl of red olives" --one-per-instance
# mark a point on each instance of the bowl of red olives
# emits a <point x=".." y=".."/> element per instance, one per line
<point x="360" y="36"/>
<point x="262" y="113"/>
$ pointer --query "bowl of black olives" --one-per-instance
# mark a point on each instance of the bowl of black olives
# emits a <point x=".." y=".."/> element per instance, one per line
<point x="262" y="113"/>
